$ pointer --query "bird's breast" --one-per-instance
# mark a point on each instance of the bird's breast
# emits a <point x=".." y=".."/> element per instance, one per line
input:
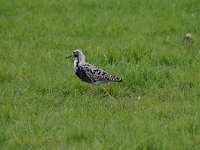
<point x="81" y="73"/>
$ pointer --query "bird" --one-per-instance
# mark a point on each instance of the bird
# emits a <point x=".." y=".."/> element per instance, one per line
<point x="89" y="73"/>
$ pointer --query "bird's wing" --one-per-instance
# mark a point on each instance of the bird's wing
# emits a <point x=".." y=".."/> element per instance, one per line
<point x="98" y="74"/>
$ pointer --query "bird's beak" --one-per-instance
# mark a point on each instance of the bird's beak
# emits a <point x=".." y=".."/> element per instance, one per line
<point x="69" y="56"/>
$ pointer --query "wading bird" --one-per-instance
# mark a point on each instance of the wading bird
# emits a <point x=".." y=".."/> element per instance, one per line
<point x="90" y="73"/>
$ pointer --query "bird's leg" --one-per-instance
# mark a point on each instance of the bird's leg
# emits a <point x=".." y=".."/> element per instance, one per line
<point x="93" y="89"/>
<point x="107" y="93"/>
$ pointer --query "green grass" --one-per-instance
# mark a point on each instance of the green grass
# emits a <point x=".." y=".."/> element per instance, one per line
<point x="43" y="105"/>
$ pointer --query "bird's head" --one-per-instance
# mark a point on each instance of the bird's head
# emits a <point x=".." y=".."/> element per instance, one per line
<point x="78" y="54"/>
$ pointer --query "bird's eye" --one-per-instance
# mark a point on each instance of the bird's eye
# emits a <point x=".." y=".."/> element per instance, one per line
<point x="75" y="55"/>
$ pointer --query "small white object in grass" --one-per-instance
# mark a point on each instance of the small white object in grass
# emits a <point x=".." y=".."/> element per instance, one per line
<point x="188" y="36"/>
<point x="139" y="98"/>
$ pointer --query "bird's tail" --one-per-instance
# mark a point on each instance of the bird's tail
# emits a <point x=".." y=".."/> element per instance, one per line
<point x="116" y="79"/>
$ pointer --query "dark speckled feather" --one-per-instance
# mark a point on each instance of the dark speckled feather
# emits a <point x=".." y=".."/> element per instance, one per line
<point x="91" y="74"/>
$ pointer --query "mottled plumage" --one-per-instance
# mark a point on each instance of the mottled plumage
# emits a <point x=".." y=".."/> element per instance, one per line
<point x="90" y="73"/>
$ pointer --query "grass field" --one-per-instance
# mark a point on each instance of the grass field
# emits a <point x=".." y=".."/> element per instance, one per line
<point x="43" y="105"/>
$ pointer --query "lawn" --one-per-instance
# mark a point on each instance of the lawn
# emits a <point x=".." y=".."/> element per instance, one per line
<point x="43" y="105"/>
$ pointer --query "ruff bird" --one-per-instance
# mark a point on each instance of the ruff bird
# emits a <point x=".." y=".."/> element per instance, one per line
<point x="90" y="73"/>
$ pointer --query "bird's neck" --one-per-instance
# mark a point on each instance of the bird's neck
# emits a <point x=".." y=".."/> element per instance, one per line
<point x="81" y="58"/>
<point x="78" y="62"/>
